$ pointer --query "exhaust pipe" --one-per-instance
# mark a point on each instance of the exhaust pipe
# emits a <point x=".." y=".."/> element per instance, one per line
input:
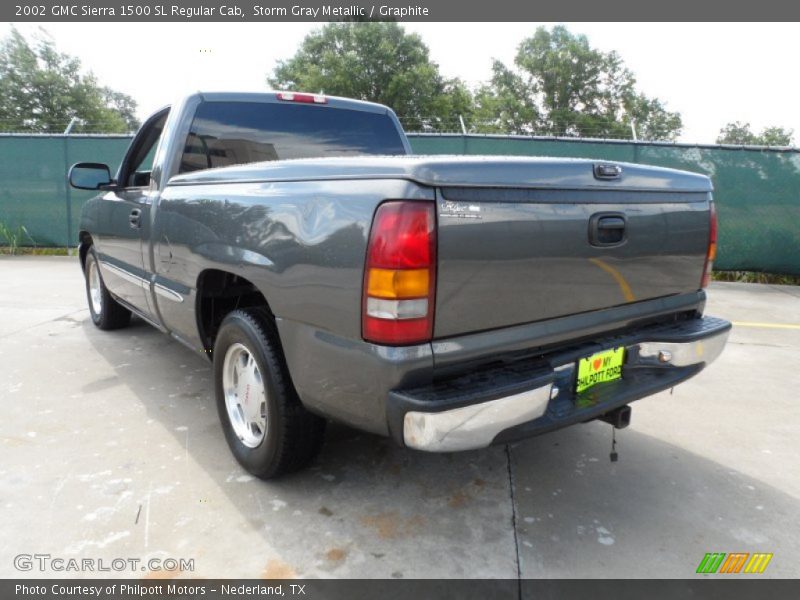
<point x="620" y="417"/>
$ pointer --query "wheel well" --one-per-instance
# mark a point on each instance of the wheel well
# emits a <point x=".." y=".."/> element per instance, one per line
<point x="218" y="293"/>
<point x="83" y="250"/>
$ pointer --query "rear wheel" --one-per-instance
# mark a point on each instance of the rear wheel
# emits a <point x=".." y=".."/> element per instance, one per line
<point x="106" y="312"/>
<point x="265" y="424"/>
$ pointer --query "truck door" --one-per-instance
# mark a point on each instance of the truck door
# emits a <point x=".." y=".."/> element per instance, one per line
<point x="124" y="230"/>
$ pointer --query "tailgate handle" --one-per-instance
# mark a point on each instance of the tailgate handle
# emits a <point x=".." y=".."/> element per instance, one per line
<point x="606" y="171"/>
<point x="607" y="229"/>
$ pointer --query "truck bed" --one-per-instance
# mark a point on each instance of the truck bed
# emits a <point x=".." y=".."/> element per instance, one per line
<point x="515" y="235"/>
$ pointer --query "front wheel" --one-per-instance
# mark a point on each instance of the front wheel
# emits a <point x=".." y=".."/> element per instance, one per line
<point x="106" y="312"/>
<point x="267" y="428"/>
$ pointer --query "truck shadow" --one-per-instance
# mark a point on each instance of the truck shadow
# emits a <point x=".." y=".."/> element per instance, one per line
<point x="367" y="508"/>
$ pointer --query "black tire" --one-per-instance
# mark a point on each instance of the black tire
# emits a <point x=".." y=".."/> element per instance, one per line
<point x="293" y="436"/>
<point x="110" y="314"/>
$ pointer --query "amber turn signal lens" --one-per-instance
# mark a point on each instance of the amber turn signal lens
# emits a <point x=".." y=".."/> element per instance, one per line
<point x="391" y="283"/>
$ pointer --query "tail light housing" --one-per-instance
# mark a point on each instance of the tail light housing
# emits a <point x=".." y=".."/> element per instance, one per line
<point x="400" y="274"/>
<point x="711" y="254"/>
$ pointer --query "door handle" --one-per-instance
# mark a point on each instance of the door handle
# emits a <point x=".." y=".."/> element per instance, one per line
<point x="611" y="223"/>
<point x="135" y="218"/>
<point x="607" y="229"/>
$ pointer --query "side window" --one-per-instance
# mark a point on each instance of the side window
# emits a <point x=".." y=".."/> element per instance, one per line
<point x="147" y="161"/>
<point x="139" y="162"/>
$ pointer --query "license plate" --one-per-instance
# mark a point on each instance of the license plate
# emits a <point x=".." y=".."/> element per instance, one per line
<point x="599" y="368"/>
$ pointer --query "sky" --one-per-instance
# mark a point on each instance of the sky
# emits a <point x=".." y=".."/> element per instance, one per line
<point x="712" y="73"/>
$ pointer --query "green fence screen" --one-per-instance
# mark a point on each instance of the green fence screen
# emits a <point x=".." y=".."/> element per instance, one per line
<point x="33" y="186"/>
<point x="757" y="190"/>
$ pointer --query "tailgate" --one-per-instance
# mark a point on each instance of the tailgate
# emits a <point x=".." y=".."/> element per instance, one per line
<point x="509" y="256"/>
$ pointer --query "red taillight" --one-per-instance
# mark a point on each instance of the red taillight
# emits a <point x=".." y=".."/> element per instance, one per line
<point x="304" y="98"/>
<point x="400" y="274"/>
<point x="711" y="254"/>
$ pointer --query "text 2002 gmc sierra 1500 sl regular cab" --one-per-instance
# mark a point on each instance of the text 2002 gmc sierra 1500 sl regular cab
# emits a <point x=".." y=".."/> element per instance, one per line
<point x="448" y="302"/>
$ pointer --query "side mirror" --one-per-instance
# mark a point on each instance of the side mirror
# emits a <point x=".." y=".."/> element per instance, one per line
<point x="89" y="176"/>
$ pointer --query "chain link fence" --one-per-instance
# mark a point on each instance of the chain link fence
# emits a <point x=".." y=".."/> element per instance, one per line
<point x="757" y="189"/>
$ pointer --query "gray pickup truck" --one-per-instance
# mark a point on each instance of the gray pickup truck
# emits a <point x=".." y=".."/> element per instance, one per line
<point x="448" y="302"/>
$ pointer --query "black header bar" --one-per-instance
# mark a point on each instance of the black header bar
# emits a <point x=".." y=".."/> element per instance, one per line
<point x="712" y="587"/>
<point x="237" y="11"/>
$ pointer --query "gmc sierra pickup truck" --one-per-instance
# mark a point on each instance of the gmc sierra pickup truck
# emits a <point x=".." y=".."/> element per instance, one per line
<point x="448" y="302"/>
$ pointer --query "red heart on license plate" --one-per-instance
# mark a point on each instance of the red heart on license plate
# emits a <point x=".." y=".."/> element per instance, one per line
<point x="597" y="363"/>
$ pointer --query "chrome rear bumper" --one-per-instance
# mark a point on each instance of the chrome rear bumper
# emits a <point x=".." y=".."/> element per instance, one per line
<point x="473" y="426"/>
<point x="654" y="364"/>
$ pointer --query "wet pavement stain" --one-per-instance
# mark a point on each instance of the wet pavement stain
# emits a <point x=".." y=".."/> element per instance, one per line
<point x="277" y="569"/>
<point x="390" y="526"/>
<point x="336" y="554"/>
<point x="458" y="500"/>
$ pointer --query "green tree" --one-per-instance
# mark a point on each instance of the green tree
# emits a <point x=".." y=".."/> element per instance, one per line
<point x="737" y="133"/>
<point x="560" y="85"/>
<point x="42" y="90"/>
<point x="777" y="136"/>
<point x="379" y="62"/>
<point x="740" y="134"/>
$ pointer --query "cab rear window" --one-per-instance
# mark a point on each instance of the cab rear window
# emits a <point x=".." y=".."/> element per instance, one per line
<point x="233" y="133"/>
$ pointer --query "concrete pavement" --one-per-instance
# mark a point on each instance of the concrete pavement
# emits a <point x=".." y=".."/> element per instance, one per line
<point x="112" y="449"/>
